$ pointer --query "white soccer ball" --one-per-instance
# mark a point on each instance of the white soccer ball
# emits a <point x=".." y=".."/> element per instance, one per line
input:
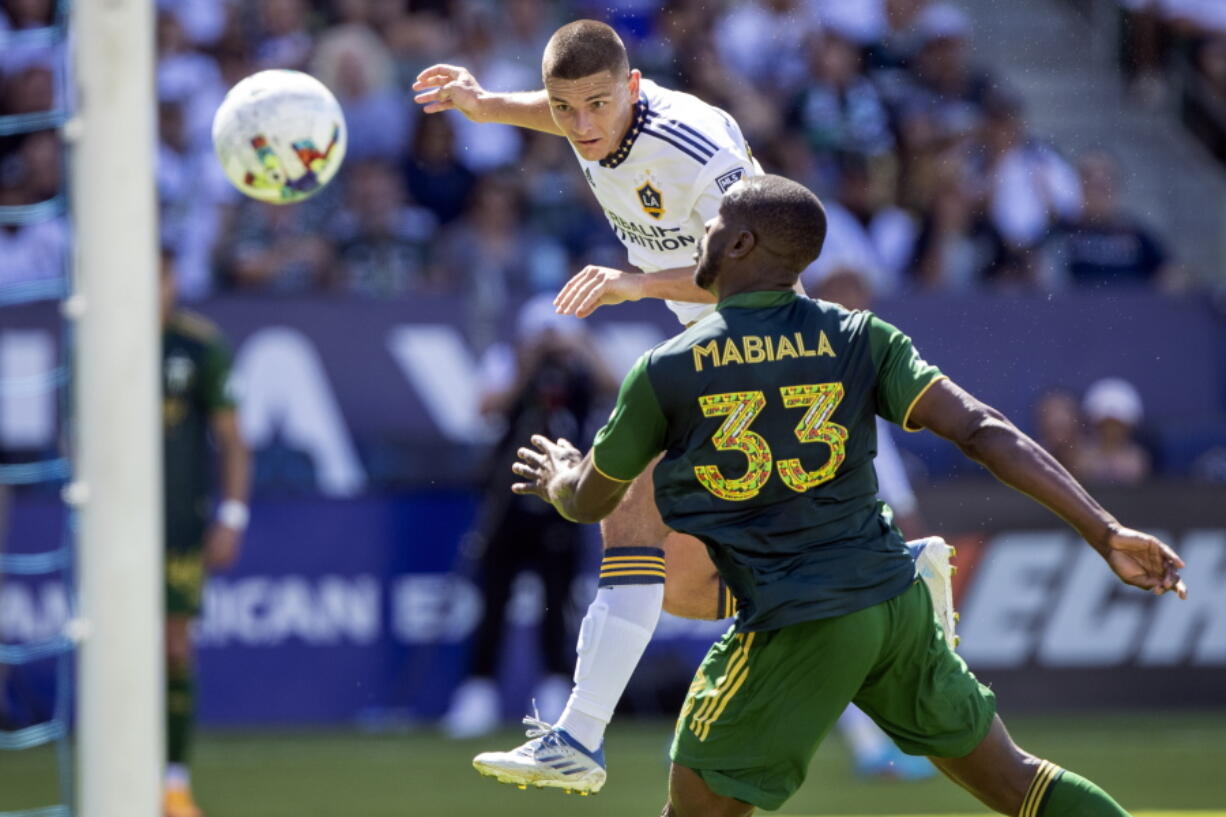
<point x="280" y="136"/>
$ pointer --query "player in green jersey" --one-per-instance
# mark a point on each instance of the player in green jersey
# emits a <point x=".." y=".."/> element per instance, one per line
<point x="197" y="407"/>
<point x="765" y="413"/>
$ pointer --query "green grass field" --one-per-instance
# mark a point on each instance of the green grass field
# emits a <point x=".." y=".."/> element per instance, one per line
<point x="1174" y="764"/>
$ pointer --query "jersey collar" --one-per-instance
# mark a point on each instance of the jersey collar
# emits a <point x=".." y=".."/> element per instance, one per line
<point x="757" y="300"/>
<point x="632" y="133"/>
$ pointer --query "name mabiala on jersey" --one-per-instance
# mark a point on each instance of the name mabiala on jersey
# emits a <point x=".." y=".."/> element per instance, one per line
<point x="759" y="349"/>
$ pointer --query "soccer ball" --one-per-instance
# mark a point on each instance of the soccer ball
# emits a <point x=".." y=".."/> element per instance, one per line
<point x="280" y="136"/>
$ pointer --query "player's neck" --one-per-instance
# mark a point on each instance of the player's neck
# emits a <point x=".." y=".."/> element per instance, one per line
<point x="622" y="129"/>
<point x="733" y="288"/>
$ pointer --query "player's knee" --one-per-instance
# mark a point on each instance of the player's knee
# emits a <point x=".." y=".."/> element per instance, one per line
<point x="626" y="529"/>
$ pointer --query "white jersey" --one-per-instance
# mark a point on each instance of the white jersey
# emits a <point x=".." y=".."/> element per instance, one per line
<point x="665" y="180"/>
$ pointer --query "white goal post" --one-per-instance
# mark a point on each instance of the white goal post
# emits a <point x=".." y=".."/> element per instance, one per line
<point x="117" y="427"/>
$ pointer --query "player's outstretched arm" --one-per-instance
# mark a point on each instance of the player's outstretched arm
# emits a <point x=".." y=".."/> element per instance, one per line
<point x="453" y="88"/>
<point x="986" y="436"/>
<point x="557" y="473"/>
<point x="594" y="287"/>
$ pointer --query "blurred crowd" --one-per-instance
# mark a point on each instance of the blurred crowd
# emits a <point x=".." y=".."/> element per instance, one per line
<point x="931" y="177"/>
<point x="1175" y="50"/>
<point x="1157" y="33"/>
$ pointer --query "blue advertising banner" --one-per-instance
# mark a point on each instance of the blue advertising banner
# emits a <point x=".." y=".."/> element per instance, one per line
<point x="339" y="396"/>
<point x="359" y="610"/>
<point x="338" y="610"/>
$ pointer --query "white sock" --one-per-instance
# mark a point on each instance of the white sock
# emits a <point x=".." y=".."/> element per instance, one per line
<point x="177" y="776"/>
<point x="865" y="738"/>
<point x="617" y="628"/>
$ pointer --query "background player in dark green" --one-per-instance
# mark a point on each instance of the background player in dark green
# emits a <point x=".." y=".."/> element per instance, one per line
<point x="771" y="467"/>
<point x="198" y="417"/>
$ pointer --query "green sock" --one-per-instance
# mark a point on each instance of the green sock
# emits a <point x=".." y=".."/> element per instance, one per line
<point x="1055" y="792"/>
<point x="180" y="715"/>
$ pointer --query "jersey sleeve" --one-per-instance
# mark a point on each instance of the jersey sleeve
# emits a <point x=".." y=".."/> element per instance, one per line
<point x="219" y="392"/>
<point x="635" y="431"/>
<point x="902" y="375"/>
<point x="726" y="168"/>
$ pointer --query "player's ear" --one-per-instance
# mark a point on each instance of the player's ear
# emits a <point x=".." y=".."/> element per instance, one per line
<point x="633" y="84"/>
<point x="742" y="245"/>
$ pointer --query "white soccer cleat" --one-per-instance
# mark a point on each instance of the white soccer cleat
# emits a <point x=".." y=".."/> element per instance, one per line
<point x="551" y="759"/>
<point x="932" y="564"/>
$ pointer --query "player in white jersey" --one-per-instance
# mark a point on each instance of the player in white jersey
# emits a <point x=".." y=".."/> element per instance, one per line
<point x="658" y="161"/>
<point x="665" y="179"/>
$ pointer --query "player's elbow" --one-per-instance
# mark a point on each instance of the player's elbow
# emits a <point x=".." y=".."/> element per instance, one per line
<point x="983" y="432"/>
<point x="588" y="509"/>
<point x="587" y="516"/>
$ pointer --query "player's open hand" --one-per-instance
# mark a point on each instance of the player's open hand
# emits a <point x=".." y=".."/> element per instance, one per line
<point x="540" y="466"/>
<point x="1144" y="561"/>
<point x="447" y="88"/>
<point x="595" y="287"/>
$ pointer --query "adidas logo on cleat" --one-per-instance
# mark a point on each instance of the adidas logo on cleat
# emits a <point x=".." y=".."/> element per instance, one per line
<point x="551" y="759"/>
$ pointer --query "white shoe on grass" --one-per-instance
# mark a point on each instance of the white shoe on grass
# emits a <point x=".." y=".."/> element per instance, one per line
<point x="551" y="759"/>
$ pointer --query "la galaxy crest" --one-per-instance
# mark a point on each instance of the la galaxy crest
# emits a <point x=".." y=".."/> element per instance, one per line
<point x="651" y="198"/>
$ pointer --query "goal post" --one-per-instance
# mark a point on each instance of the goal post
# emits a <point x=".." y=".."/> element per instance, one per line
<point x="117" y="426"/>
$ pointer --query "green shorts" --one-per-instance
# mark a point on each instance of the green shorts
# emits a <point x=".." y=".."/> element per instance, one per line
<point x="762" y="702"/>
<point x="184" y="582"/>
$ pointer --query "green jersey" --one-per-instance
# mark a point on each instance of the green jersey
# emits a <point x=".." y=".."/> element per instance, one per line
<point x="195" y="376"/>
<point x="766" y="413"/>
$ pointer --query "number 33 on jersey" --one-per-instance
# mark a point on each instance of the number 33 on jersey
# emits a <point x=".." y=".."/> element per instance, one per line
<point x="793" y="423"/>
<point x="741" y="408"/>
<point x="766" y="414"/>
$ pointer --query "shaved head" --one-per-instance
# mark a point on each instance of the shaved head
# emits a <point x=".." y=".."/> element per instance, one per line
<point x="767" y="231"/>
<point x="786" y="218"/>
<point x="583" y="48"/>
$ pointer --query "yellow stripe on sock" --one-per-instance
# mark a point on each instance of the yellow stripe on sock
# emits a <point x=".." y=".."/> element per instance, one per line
<point x="1034" y="785"/>
<point x="659" y="559"/>
<point x="1047" y="784"/>
<point x="607" y="574"/>
<point x="628" y="565"/>
<point x="1038" y="787"/>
